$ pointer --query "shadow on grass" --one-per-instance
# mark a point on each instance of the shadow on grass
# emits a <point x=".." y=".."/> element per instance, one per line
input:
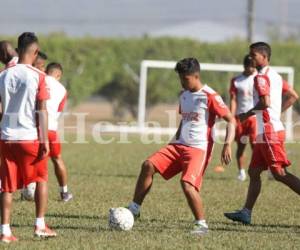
<point x="105" y="175"/>
<point x="75" y="216"/>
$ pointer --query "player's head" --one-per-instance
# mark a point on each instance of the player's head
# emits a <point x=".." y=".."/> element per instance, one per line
<point x="249" y="65"/>
<point x="40" y="61"/>
<point x="261" y="53"/>
<point x="55" y="70"/>
<point x="7" y="52"/>
<point x="28" y="47"/>
<point x="188" y="70"/>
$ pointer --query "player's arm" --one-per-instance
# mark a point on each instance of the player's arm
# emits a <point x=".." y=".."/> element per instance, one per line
<point x="233" y="99"/>
<point x="1" y="111"/>
<point x="43" y="128"/>
<point x="230" y="132"/>
<point x="177" y="135"/>
<point x="290" y="96"/>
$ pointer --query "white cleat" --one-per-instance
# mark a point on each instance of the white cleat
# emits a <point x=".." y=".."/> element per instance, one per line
<point x="242" y="175"/>
<point x="200" y="229"/>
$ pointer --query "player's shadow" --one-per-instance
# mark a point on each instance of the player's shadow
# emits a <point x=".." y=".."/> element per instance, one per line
<point x="106" y="175"/>
<point x="76" y="216"/>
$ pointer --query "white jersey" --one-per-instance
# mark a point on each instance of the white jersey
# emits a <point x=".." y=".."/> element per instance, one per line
<point x="56" y="102"/>
<point x="242" y="87"/>
<point x="269" y="82"/>
<point x="199" y="111"/>
<point x="20" y="88"/>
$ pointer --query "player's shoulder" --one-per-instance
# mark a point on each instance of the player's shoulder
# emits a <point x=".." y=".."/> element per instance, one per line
<point x="32" y="69"/>
<point x="209" y="90"/>
<point x="53" y="83"/>
<point x="238" y="78"/>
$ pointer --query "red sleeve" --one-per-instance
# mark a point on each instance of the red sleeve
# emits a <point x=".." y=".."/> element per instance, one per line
<point x="217" y="105"/>
<point x="285" y="86"/>
<point x="233" y="89"/>
<point x="42" y="93"/>
<point x="62" y="104"/>
<point x="262" y="85"/>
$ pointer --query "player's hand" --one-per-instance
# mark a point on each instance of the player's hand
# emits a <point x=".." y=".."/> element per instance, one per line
<point x="43" y="150"/>
<point x="243" y="116"/>
<point x="226" y="154"/>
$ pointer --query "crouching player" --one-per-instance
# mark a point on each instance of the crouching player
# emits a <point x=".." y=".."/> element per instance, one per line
<point x="55" y="106"/>
<point x="24" y="150"/>
<point x="190" y="153"/>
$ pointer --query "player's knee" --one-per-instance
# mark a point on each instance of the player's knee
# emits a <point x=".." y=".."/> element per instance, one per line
<point x="253" y="174"/>
<point x="148" y="168"/>
<point x="279" y="174"/>
<point x="187" y="187"/>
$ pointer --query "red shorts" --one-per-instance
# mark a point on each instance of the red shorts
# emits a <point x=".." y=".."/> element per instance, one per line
<point x="175" y="158"/>
<point x="54" y="144"/>
<point x="269" y="151"/>
<point x="246" y="129"/>
<point x="20" y="166"/>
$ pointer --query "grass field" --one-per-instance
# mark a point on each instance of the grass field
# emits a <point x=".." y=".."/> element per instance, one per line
<point x="104" y="176"/>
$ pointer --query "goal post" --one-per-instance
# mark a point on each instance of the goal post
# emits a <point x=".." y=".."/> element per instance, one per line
<point x="146" y="64"/>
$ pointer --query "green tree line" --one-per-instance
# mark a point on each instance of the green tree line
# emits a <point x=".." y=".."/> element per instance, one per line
<point x="110" y="67"/>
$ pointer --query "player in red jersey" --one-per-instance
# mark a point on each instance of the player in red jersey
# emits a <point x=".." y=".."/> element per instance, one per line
<point x="24" y="140"/>
<point x="8" y="55"/>
<point x="55" y="105"/>
<point x="190" y="153"/>
<point x="268" y="151"/>
<point x="241" y="100"/>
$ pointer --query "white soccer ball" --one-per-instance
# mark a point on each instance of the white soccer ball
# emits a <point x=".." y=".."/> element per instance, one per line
<point x="120" y="218"/>
<point x="29" y="191"/>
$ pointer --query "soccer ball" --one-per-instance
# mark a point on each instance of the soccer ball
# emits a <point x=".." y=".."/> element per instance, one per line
<point x="29" y="191"/>
<point x="120" y="218"/>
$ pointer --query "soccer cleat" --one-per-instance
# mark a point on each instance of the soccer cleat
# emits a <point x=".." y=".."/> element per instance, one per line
<point x="240" y="216"/>
<point x="200" y="229"/>
<point x="242" y="176"/>
<point x="66" y="196"/>
<point x="8" y="239"/>
<point x="44" y="233"/>
<point x="135" y="216"/>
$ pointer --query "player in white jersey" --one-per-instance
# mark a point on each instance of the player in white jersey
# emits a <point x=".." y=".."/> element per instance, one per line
<point x="190" y="153"/>
<point x="241" y="100"/>
<point x="268" y="151"/>
<point x="55" y="105"/>
<point x="8" y="55"/>
<point x="24" y="140"/>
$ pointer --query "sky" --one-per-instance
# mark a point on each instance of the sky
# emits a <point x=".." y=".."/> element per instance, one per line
<point x="212" y="21"/>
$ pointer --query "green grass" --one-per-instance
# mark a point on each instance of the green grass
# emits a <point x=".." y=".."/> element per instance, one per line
<point x="104" y="176"/>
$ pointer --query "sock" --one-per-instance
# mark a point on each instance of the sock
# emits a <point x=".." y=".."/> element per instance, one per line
<point x="201" y="222"/>
<point x="242" y="171"/>
<point x="40" y="222"/>
<point x="5" y="229"/>
<point x="63" y="189"/>
<point x="134" y="208"/>
<point x="246" y="210"/>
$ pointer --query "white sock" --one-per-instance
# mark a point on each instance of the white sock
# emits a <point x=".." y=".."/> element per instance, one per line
<point x="134" y="208"/>
<point x="63" y="189"/>
<point x="5" y="229"/>
<point x="40" y="222"/>
<point x="201" y="222"/>
<point x="242" y="171"/>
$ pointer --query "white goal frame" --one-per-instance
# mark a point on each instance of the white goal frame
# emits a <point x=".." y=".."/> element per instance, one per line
<point x="146" y="64"/>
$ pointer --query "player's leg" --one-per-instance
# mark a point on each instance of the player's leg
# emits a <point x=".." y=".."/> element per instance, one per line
<point x="240" y="158"/>
<point x="282" y="175"/>
<point x="163" y="162"/>
<point x="59" y="165"/>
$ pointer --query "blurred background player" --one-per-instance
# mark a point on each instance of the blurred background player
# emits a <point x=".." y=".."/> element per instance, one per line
<point x="40" y="61"/>
<point x="268" y="151"/>
<point x="191" y="151"/>
<point x="55" y="105"/>
<point x="8" y="55"/>
<point x="24" y="150"/>
<point x="241" y="100"/>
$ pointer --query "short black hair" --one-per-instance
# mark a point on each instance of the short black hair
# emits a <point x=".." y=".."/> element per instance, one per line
<point x="263" y="48"/>
<point x="52" y="66"/>
<point x="25" y="40"/>
<point x="248" y="61"/>
<point x="187" y="66"/>
<point x="42" y="55"/>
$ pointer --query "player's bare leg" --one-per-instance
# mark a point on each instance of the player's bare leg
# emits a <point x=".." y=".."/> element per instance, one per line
<point x="142" y="187"/>
<point x="240" y="158"/>
<point x="41" y="199"/>
<point x="62" y="177"/>
<point x="194" y="200"/>
<point x="281" y="175"/>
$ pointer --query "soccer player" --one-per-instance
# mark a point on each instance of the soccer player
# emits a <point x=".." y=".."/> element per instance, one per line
<point x="55" y="106"/>
<point x="268" y="151"/>
<point x="241" y="100"/>
<point x="191" y="151"/>
<point x="24" y="140"/>
<point x="8" y="55"/>
<point x="40" y="61"/>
